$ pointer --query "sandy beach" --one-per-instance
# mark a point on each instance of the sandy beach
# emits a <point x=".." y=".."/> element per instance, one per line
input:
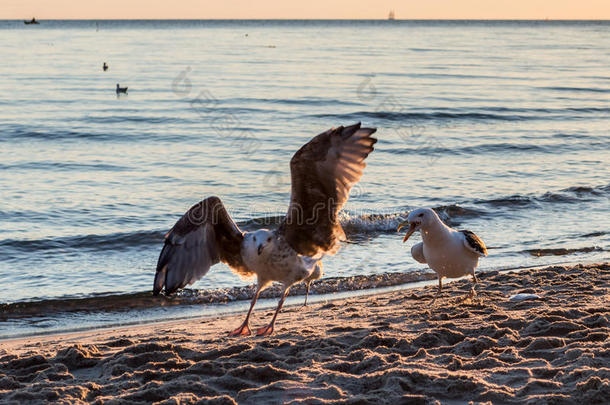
<point x="387" y="348"/>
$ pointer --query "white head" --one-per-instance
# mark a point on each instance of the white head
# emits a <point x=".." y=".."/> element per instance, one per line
<point x="420" y="218"/>
<point x="259" y="241"/>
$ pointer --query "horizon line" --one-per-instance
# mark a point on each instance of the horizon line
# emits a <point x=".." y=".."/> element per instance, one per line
<point x="313" y="19"/>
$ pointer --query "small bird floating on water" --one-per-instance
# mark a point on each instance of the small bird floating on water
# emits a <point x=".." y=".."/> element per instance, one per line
<point x="105" y="66"/>
<point x="120" y="89"/>
<point x="448" y="252"/>
<point x="323" y="172"/>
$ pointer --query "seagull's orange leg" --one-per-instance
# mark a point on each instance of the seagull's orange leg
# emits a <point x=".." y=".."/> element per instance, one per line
<point x="268" y="330"/>
<point x="244" y="329"/>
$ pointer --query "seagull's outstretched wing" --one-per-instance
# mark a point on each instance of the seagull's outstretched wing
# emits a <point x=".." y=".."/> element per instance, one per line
<point x="323" y="172"/>
<point x="205" y="235"/>
<point x="473" y="243"/>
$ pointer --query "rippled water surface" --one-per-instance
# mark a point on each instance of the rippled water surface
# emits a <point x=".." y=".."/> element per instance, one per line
<point x="500" y="126"/>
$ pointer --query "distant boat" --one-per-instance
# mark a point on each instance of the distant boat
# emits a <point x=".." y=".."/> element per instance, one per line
<point x="120" y="89"/>
<point x="105" y="66"/>
<point x="392" y="15"/>
<point x="32" y="21"/>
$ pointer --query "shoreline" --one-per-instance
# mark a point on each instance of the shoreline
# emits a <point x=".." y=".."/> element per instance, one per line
<point x="554" y="349"/>
<point x="203" y="304"/>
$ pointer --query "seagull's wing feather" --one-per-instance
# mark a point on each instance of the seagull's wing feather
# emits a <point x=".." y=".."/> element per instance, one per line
<point x="204" y="236"/>
<point x="417" y="251"/>
<point x="473" y="243"/>
<point x="323" y="172"/>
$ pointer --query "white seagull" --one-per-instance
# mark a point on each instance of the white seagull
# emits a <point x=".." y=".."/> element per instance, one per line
<point x="323" y="171"/>
<point x="448" y="252"/>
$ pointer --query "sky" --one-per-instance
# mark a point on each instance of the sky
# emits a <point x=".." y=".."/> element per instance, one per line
<point x="309" y="9"/>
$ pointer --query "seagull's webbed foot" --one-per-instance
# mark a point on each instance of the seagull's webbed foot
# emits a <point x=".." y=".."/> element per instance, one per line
<point x="243" y="330"/>
<point x="470" y="295"/>
<point x="265" y="331"/>
<point x="268" y="330"/>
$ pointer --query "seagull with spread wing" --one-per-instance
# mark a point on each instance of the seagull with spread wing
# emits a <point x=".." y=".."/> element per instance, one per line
<point x="323" y="172"/>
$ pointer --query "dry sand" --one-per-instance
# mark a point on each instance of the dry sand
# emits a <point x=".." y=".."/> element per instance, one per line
<point x="385" y="349"/>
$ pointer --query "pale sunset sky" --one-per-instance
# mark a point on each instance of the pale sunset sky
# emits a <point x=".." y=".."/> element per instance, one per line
<point x="314" y="9"/>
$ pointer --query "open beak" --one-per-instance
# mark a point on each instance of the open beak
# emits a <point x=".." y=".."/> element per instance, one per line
<point x="410" y="232"/>
<point x="260" y="249"/>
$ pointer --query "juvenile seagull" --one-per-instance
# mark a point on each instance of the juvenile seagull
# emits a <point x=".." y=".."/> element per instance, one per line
<point x="323" y="171"/>
<point x="448" y="252"/>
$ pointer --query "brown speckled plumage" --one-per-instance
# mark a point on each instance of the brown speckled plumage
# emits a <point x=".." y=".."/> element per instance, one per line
<point x="323" y="172"/>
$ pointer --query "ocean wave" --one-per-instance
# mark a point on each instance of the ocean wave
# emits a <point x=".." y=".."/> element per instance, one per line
<point x="573" y="194"/>
<point x="113" y="119"/>
<point x="458" y="211"/>
<point x="477" y="114"/>
<point x="107" y="302"/>
<point x="20" y="133"/>
<point x="513" y="201"/>
<point x="593" y="234"/>
<point x="597" y="191"/>
<point x="114" y="241"/>
<point x="422" y="116"/>
<point x="377" y="223"/>
<point x="256" y="223"/>
<point x="432" y="146"/>
<point x="67" y="166"/>
<point x="578" y="89"/>
<point x="562" y="251"/>
<point x="313" y="101"/>
<point x="366" y="224"/>
<point x="354" y="224"/>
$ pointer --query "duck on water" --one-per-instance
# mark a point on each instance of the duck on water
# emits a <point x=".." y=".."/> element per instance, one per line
<point x="120" y="89"/>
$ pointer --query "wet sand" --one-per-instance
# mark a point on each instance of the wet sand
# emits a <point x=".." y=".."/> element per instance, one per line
<point x="390" y="348"/>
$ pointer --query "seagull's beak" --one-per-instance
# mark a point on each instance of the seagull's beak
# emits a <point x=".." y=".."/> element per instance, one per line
<point x="402" y="225"/>
<point x="409" y="232"/>
<point x="260" y="249"/>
